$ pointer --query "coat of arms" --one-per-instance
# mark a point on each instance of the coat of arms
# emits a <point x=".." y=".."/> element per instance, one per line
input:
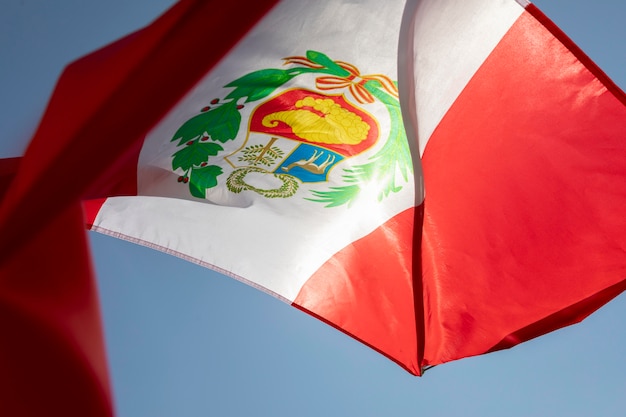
<point x="296" y="135"/>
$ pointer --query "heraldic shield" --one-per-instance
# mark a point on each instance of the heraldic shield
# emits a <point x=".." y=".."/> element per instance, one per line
<point x="299" y="135"/>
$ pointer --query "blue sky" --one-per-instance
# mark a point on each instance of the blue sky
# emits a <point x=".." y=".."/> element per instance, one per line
<point x="185" y="341"/>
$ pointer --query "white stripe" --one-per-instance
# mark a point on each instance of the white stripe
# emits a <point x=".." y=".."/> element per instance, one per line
<point x="275" y="243"/>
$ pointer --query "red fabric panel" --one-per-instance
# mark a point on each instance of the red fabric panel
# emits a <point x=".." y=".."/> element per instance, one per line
<point x="569" y="315"/>
<point x="88" y="141"/>
<point x="367" y="290"/>
<point x="524" y="225"/>
<point x="8" y="169"/>
<point x="91" y="209"/>
<point x="52" y="359"/>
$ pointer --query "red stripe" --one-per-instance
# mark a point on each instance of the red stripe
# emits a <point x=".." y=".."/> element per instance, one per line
<point x="525" y="193"/>
<point x="367" y="290"/>
<point x="8" y="170"/>
<point x="52" y="358"/>
<point x="567" y="316"/>
<point x="91" y="209"/>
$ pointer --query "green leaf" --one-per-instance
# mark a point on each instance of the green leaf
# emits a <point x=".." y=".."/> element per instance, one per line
<point x="259" y="84"/>
<point x="224" y="122"/>
<point x="221" y="123"/>
<point x="192" y="128"/>
<point x="203" y="178"/>
<point x="194" y="154"/>
<point x="337" y="196"/>
<point x="321" y="59"/>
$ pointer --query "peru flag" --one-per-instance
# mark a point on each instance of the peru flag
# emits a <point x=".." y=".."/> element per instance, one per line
<point x="517" y="228"/>
<point x="437" y="179"/>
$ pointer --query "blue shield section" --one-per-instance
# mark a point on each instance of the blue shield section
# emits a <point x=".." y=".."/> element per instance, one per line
<point x="309" y="163"/>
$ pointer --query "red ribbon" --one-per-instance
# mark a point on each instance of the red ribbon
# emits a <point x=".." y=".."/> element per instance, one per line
<point x="355" y="82"/>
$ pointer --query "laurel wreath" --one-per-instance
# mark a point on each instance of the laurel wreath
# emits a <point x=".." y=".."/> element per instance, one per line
<point x="236" y="183"/>
<point x="200" y="137"/>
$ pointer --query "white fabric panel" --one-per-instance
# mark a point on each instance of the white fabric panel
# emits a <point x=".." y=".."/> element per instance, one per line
<point x="274" y="244"/>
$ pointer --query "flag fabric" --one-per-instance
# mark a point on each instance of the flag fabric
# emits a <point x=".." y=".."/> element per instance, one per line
<point x="436" y="179"/>
<point x="52" y="358"/>
<point x="287" y="167"/>
<point x="524" y="228"/>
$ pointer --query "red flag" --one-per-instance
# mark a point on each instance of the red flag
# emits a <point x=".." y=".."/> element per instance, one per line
<point x="52" y="358"/>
